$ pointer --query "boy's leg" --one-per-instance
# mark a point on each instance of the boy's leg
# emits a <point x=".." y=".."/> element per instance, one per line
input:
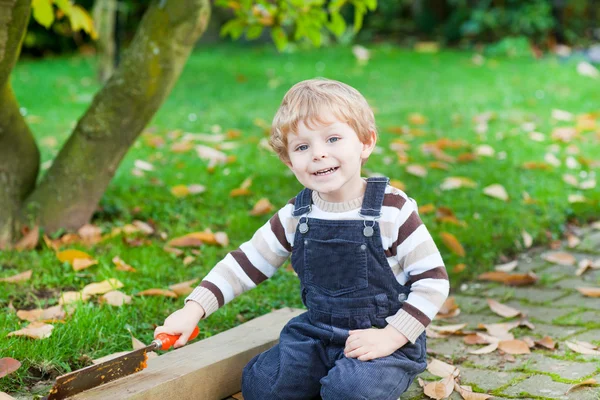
<point x="384" y="378"/>
<point x="291" y="369"/>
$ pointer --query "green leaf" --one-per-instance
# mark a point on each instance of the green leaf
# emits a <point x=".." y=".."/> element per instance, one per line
<point x="337" y="26"/>
<point x="43" y="12"/>
<point x="279" y="38"/>
<point x="234" y="28"/>
<point x="254" y="32"/>
<point x="65" y="6"/>
<point x="359" y="12"/>
<point x="314" y="35"/>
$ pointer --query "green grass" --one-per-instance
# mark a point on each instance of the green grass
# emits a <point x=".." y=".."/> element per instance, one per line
<point x="226" y="88"/>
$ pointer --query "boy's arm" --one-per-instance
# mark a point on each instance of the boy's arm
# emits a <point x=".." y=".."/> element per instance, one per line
<point x="421" y="268"/>
<point x="244" y="268"/>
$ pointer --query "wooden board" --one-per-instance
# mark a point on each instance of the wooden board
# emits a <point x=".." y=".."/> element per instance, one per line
<point x="210" y="369"/>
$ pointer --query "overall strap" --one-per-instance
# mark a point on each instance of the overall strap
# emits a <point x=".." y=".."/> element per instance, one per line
<point x="373" y="200"/>
<point x="303" y="203"/>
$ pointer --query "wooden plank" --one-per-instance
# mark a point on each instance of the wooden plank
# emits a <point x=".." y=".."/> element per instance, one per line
<point x="208" y="369"/>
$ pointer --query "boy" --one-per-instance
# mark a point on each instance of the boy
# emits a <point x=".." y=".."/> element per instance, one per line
<point x="371" y="276"/>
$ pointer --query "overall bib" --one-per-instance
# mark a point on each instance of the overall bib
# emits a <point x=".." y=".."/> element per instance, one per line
<point x="346" y="284"/>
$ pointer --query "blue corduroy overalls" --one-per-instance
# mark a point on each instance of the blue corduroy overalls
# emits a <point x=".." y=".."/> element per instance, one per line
<point x="346" y="284"/>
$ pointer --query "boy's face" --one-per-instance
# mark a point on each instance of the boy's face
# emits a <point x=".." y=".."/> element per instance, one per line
<point x="328" y="159"/>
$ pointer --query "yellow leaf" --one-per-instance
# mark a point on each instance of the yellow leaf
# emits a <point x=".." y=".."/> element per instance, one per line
<point x="81" y="20"/>
<point x="83" y="263"/>
<point x="262" y="207"/>
<point x="453" y="244"/>
<point x="43" y="12"/>
<point x="456" y="182"/>
<point x="398" y="184"/>
<point x="157" y="292"/>
<point x="497" y="191"/>
<point x="180" y="191"/>
<point x="101" y="287"/>
<point x="35" y="330"/>
<point x="417" y="119"/>
<point x="122" y="265"/>
<point x="183" y="288"/>
<point x="70" y="255"/>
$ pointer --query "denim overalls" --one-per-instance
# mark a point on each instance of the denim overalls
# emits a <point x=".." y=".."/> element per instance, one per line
<point x="346" y="284"/>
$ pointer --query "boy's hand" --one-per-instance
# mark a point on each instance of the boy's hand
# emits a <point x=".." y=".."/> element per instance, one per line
<point x="368" y="344"/>
<point x="182" y="322"/>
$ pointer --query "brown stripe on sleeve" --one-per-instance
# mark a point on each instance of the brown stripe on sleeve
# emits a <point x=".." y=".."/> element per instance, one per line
<point x="292" y="201"/>
<point x="215" y="290"/>
<point x="393" y="200"/>
<point x="279" y="232"/>
<point x="407" y="228"/>
<point x="416" y="314"/>
<point x="253" y="273"/>
<point x="435" y="273"/>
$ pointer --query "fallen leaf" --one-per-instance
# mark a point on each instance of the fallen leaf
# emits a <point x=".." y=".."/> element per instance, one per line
<point x="183" y="288"/>
<point x="72" y="297"/>
<point x="442" y="369"/>
<point x="440" y="389"/>
<point x="122" y="265"/>
<point x="479" y="338"/>
<point x="529" y="341"/>
<point x="587" y="382"/>
<point x="589" y="291"/>
<point x="136" y="343"/>
<point x="582" y="348"/>
<point x="262" y="207"/>
<point x="456" y="182"/>
<point x="447" y="329"/>
<point x="527" y="239"/>
<point x="497" y="191"/>
<point x="572" y="240"/>
<point x="546" y="342"/>
<point x="509" y="279"/>
<point x="584" y="68"/>
<point x="453" y="244"/>
<point x="514" y="346"/>
<point x="101" y="287"/>
<point x="143" y="227"/>
<point x="22" y="277"/>
<point x="213" y="156"/>
<point x="143" y="165"/>
<point x="180" y="191"/>
<point x="30" y="240"/>
<point x="49" y="314"/>
<point x="508" y="267"/>
<point x="426" y="209"/>
<point x="70" y="255"/>
<point x="35" y="330"/>
<point x="115" y="298"/>
<point x="583" y="266"/>
<point x="398" y="184"/>
<point x="8" y="366"/>
<point x="417" y="119"/>
<point x="157" y="292"/>
<point x="361" y="53"/>
<point x="468" y="394"/>
<point x="486" y="350"/>
<point x="502" y="310"/>
<point x="416" y="170"/>
<point x="459" y="268"/>
<point x="449" y="309"/>
<point x="83" y="263"/>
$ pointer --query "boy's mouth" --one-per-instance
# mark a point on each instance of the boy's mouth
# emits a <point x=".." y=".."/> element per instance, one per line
<point x="325" y="171"/>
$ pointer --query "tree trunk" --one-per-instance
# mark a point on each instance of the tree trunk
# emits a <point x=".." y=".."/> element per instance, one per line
<point x="19" y="155"/>
<point x="71" y="189"/>
<point x="104" y="13"/>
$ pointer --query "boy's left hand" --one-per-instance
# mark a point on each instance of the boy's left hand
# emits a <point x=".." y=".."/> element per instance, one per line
<point x="368" y="344"/>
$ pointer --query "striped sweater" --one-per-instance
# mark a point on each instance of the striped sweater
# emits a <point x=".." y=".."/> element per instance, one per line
<point x="410" y="250"/>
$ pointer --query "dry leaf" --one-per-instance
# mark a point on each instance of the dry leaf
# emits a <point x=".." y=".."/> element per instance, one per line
<point x="453" y="244"/>
<point x="49" y="314"/>
<point x="527" y="239"/>
<point x="456" y="182"/>
<point x="262" y="207"/>
<point x="143" y="165"/>
<point x="479" y="338"/>
<point x="30" y="240"/>
<point x="101" y="287"/>
<point x="508" y="267"/>
<point x="509" y="279"/>
<point x="589" y="291"/>
<point x="83" y="263"/>
<point x="397" y="184"/>
<point x="8" y="366"/>
<point x="136" y="343"/>
<point x="416" y="170"/>
<point x="529" y="341"/>
<point x="459" y="268"/>
<point x="583" y="266"/>
<point x="442" y="369"/>
<point x="546" y="342"/>
<point x="468" y="394"/>
<point x="35" y="330"/>
<point x="572" y="240"/>
<point x="441" y="389"/>
<point x="560" y="257"/>
<point x="582" y="348"/>
<point x="115" y="298"/>
<point x="587" y="382"/>
<point x="514" y="346"/>
<point x="486" y="350"/>
<point x="122" y="265"/>
<point x="449" y="309"/>
<point x="447" y="329"/>
<point x="502" y="310"/>
<point x="497" y="191"/>
<point x="72" y="297"/>
<point x="239" y="192"/>
<point x="157" y="292"/>
<point x="213" y="156"/>
<point x="183" y="288"/>
<point x="22" y="277"/>
<point x="417" y="119"/>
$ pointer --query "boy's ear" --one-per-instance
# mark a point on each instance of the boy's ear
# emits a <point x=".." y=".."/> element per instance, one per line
<point x="369" y="145"/>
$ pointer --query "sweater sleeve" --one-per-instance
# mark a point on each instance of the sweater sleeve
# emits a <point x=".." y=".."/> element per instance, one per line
<point x="420" y="266"/>
<point x="252" y="263"/>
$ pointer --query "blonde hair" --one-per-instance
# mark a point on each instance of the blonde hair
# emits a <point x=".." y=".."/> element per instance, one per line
<point x="308" y="100"/>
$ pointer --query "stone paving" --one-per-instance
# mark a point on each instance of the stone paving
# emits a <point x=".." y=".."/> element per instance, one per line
<point x="556" y="309"/>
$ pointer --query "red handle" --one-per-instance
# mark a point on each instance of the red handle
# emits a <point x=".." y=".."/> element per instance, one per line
<point x="169" y="340"/>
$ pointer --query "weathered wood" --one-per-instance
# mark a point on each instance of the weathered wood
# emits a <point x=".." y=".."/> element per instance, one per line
<point x="208" y="369"/>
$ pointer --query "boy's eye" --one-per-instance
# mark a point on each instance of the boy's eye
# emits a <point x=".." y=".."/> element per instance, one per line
<point x="333" y="139"/>
<point x="302" y="147"/>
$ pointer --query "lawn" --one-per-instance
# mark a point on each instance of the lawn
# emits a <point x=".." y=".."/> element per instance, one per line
<point x="418" y="98"/>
